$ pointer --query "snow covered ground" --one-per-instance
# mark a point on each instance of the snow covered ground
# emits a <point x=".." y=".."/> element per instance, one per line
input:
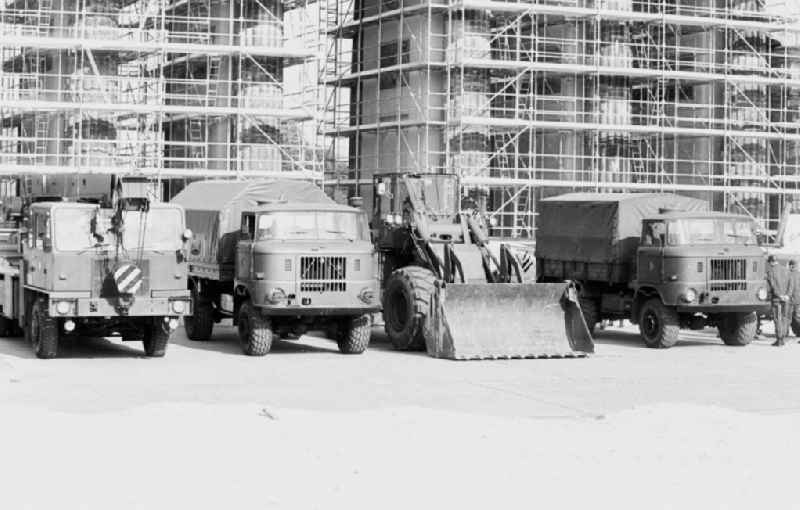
<point x="698" y="426"/>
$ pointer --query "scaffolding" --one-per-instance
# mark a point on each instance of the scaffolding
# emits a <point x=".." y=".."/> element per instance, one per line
<point x="170" y="89"/>
<point x="530" y="99"/>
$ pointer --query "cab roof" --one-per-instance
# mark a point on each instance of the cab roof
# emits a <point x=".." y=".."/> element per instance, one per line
<point x="676" y="215"/>
<point x="294" y="206"/>
<point x="84" y="205"/>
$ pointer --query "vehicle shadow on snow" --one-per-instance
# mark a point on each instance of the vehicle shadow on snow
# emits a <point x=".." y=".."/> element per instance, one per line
<point x="71" y="348"/>
<point x="226" y="341"/>
<point x="630" y="338"/>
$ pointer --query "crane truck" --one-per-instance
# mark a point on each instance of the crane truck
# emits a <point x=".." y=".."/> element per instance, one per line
<point x="70" y="269"/>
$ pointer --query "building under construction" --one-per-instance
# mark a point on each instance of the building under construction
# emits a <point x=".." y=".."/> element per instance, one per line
<point x="170" y="89"/>
<point x="527" y="99"/>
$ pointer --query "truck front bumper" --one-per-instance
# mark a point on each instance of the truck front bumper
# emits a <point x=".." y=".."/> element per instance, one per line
<point x="760" y="308"/>
<point x="173" y="303"/>
<point x="300" y="310"/>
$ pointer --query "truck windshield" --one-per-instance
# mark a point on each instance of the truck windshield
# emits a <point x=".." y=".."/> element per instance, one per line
<point x="330" y="225"/>
<point x="158" y="229"/>
<point x="710" y="231"/>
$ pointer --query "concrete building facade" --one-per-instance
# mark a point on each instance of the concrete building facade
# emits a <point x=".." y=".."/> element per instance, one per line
<point x="529" y="99"/>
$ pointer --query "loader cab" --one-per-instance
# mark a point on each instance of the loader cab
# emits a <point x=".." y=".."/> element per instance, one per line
<point x="428" y="202"/>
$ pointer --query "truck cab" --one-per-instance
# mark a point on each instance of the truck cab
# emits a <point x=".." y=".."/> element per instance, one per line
<point x="301" y="260"/>
<point x="99" y="271"/>
<point x="701" y="262"/>
<point x="705" y="266"/>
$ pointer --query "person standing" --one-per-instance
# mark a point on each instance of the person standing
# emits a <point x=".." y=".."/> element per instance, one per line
<point x="793" y="314"/>
<point x="778" y="286"/>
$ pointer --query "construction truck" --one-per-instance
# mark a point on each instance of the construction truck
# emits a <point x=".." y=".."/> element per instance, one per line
<point x="71" y="269"/>
<point x="445" y="291"/>
<point x="661" y="261"/>
<point x="279" y="258"/>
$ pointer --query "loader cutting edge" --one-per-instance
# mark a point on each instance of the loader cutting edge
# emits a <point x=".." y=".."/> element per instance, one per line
<point x="506" y="320"/>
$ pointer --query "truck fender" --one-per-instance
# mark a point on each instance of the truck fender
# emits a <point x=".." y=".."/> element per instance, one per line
<point x="640" y="296"/>
<point x="240" y="294"/>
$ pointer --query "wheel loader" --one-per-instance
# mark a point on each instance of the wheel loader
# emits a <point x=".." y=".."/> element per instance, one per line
<point x="445" y="291"/>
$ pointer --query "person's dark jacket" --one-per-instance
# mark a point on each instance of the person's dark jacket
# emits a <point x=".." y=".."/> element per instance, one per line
<point x="794" y="287"/>
<point x="778" y="282"/>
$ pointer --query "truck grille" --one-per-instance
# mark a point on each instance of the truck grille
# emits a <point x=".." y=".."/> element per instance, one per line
<point x="728" y="274"/>
<point x="321" y="274"/>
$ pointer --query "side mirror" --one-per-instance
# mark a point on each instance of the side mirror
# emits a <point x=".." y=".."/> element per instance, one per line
<point x="380" y="190"/>
<point x="47" y="244"/>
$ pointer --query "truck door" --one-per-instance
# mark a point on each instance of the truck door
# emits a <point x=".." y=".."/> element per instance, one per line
<point x="244" y="248"/>
<point x="649" y="256"/>
<point x="39" y="242"/>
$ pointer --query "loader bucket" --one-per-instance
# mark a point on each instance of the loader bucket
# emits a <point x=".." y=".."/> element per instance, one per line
<point x="506" y="320"/>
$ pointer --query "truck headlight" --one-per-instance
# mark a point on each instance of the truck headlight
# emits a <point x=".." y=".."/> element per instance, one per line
<point x="367" y="296"/>
<point x="178" y="307"/>
<point x="275" y="296"/>
<point x="689" y="296"/>
<point x="63" y="307"/>
<point x="762" y="294"/>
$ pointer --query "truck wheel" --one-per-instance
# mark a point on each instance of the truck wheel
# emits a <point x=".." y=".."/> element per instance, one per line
<point x="156" y="338"/>
<point x="255" y="331"/>
<point x="43" y="331"/>
<point x="591" y="313"/>
<point x="738" y="329"/>
<point x="200" y="324"/>
<point x="658" y="324"/>
<point x="406" y="302"/>
<point x="355" y="337"/>
<point x="796" y="327"/>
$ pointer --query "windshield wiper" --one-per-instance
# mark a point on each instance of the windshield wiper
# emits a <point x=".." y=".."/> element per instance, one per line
<point x="96" y="246"/>
<point x="351" y="239"/>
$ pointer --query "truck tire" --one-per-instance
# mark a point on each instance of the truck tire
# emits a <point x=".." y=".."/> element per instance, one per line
<point x="255" y="331"/>
<point x="200" y="324"/>
<point x="354" y="339"/>
<point x="658" y="324"/>
<point x="406" y="302"/>
<point x="796" y="327"/>
<point x="738" y="329"/>
<point x="155" y="338"/>
<point x="43" y="331"/>
<point x="591" y="313"/>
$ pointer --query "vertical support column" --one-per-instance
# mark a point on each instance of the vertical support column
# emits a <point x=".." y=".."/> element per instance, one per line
<point x="219" y="128"/>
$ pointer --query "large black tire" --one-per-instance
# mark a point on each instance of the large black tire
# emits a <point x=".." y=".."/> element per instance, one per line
<point x="738" y="329"/>
<point x="156" y="338"/>
<point x="355" y="335"/>
<point x="658" y="324"/>
<point x="591" y="313"/>
<point x="200" y="325"/>
<point x="795" y="326"/>
<point x="9" y="328"/>
<point x="406" y="302"/>
<point x="255" y="331"/>
<point x="43" y="331"/>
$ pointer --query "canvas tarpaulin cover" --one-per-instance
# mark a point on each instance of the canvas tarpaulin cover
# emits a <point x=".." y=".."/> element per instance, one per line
<point x="600" y="227"/>
<point x="214" y="210"/>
